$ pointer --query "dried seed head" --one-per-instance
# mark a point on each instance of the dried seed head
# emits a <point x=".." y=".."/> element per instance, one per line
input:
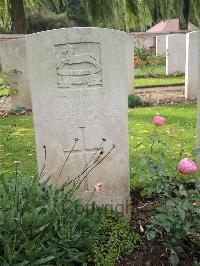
<point x="114" y="146"/>
<point x="44" y="147"/>
<point x="76" y="139"/>
<point x="17" y="162"/>
<point x="101" y="152"/>
<point x="103" y="139"/>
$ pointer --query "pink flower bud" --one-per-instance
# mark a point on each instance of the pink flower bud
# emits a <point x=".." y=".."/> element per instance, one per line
<point x="158" y="120"/>
<point x="186" y="166"/>
<point x="98" y="187"/>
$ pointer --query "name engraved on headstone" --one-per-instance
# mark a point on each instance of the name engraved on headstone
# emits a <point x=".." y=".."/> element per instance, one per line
<point x="78" y="66"/>
<point x="71" y="119"/>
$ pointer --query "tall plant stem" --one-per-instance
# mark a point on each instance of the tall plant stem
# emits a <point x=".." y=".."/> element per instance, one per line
<point x="75" y="140"/>
<point x="94" y="166"/>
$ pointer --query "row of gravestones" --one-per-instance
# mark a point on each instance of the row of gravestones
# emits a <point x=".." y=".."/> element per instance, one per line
<point x="79" y="80"/>
<point x="181" y="50"/>
<point x="182" y="56"/>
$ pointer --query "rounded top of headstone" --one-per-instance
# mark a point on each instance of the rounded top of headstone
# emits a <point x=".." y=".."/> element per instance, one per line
<point x="85" y="30"/>
<point x="194" y="32"/>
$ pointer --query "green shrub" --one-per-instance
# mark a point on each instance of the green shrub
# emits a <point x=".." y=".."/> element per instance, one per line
<point x="43" y="226"/>
<point x="3" y="31"/>
<point x="17" y="109"/>
<point x="8" y="87"/>
<point x="177" y="220"/>
<point x="147" y="56"/>
<point x="134" y="101"/>
<point x="116" y="239"/>
<point x="147" y="61"/>
<point x="41" y="22"/>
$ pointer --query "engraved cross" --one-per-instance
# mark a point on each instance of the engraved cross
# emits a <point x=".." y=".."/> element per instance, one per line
<point x="83" y="151"/>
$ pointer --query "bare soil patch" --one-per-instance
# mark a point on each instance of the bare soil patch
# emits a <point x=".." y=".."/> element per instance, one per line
<point x="163" y="95"/>
<point x="153" y="253"/>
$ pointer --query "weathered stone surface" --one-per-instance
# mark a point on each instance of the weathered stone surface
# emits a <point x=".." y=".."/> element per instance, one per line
<point x="14" y="67"/>
<point x="6" y="37"/>
<point x="161" y="45"/>
<point x="144" y="42"/>
<point x="192" y="72"/>
<point x="79" y="86"/>
<point x="130" y="65"/>
<point x="197" y="62"/>
<point x="175" y="59"/>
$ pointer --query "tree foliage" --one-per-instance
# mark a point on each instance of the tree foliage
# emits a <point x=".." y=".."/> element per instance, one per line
<point x="71" y="9"/>
<point x="118" y="14"/>
<point x="142" y="13"/>
<point x="5" y="22"/>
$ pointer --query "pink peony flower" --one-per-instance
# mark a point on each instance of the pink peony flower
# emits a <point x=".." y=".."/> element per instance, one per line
<point x="186" y="166"/>
<point x="98" y="187"/>
<point x="158" y="120"/>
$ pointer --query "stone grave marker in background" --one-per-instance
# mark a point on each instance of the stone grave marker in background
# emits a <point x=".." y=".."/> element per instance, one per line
<point x="15" y="71"/>
<point x="143" y="40"/>
<point x="79" y="85"/>
<point x="197" y="69"/>
<point x="6" y="37"/>
<point x="161" y="45"/>
<point x="130" y="72"/>
<point x="175" y="53"/>
<point x="192" y="72"/>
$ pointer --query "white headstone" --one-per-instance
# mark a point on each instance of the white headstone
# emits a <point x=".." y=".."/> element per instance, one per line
<point x="79" y="88"/>
<point x="143" y="41"/>
<point x="161" y="45"/>
<point x="130" y="64"/>
<point x="176" y="49"/>
<point x="14" y="67"/>
<point x="197" y="64"/>
<point x="192" y="72"/>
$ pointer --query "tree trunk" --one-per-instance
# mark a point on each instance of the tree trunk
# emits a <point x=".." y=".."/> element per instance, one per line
<point x="156" y="12"/>
<point x="18" y="17"/>
<point x="186" y="11"/>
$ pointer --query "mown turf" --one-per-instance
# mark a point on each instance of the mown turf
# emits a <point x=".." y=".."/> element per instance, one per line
<point x="17" y="143"/>
<point x="143" y="80"/>
<point x="178" y="133"/>
<point x="158" y="82"/>
<point x="156" y="70"/>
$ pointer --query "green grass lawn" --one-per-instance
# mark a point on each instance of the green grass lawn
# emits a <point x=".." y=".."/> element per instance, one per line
<point x="142" y="79"/>
<point x="141" y="72"/>
<point x="19" y="144"/>
<point x="158" y="82"/>
<point x="178" y="133"/>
